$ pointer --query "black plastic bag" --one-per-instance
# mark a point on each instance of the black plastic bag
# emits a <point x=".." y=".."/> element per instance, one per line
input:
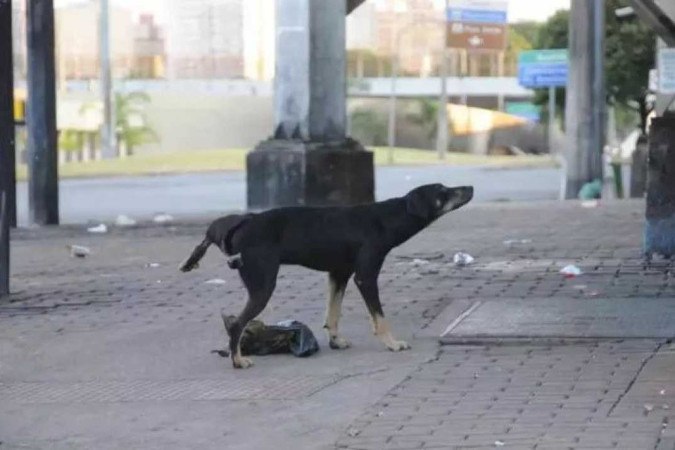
<point x="286" y="337"/>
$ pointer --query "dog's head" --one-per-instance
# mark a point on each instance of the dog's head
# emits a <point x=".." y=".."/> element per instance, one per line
<point x="431" y="201"/>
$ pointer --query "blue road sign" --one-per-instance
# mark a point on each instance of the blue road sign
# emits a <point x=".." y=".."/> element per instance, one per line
<point x="543" y="68"/>
<point x="476" y="15"/>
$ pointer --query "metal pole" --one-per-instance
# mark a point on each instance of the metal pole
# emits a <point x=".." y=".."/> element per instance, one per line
<point x="43" y="184"/>
<point x="7" y="136"/>
<point x="551" y="119"/>
<point x="7" y="149"/>
<point x="599" y="130"/>
<point x="4" y="245"/>
<point x="442" y="126"/>
<point x="108" y="132"/>
<point x="391" y="132"/>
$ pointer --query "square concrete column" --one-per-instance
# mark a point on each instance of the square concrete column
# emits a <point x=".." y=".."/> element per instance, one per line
<point x="659" y="234"/>
<point x="309" y="160"/>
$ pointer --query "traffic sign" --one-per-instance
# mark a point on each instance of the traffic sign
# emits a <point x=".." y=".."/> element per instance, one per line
<point x="666" y="68"/>
<point x="475" y="16"/>
<point x="543" y="68"/>
<point x="476" y="36"/>
<point x="477" y="24"/>
<point x="526" y="110"/>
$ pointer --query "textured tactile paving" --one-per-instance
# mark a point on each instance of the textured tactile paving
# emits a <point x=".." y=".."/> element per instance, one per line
<point x="170" y="390"/>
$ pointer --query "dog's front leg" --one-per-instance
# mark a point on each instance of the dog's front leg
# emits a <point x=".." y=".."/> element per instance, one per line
<point x="337" y="283"/>
<point x="367" y="272"/>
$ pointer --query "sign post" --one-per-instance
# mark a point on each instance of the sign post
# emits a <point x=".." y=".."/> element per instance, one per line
<point x="544" y="69"/>
<point x="477" y="24"/>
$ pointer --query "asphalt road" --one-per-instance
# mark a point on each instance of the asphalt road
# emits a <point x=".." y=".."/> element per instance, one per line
<point x="103" y="199"/>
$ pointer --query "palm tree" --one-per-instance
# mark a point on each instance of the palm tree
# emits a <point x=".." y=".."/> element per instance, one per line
<point x="131" y="121"/>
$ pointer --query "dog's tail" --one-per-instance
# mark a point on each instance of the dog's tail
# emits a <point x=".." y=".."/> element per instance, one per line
<point x="197" y="254"/>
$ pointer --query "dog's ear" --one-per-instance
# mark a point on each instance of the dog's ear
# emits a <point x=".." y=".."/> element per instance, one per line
<point x="418" y="205"/>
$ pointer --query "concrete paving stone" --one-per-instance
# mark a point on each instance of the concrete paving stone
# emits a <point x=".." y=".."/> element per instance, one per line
<point x="113" y="320"/>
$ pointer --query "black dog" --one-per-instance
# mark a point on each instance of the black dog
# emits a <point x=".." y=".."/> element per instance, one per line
<point x="339" y="240"/>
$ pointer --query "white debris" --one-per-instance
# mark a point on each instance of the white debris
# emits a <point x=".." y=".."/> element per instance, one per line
<point x="648" y="407"/>
<point x="163" y="218"/>
<point x="571" y="271"/>
<point x="99" y="229"/>
<point x="665" y="406"/>
<point x="353" y="432"/>
<point x="579" y="287"/>
<point x="124" y="221"/>
<point x="511" y="242"/>
<point x="499" y="443"/>
<point x="380" y="413"/>
<point x="419" y="262"/>
<point x="153" y="265"/>
<point x="662" y="392"/>
<point x="590" y="204"/>
<point x="215" y="281"/>
<point x="462" y="259"/>
<point x="78" y="251"/>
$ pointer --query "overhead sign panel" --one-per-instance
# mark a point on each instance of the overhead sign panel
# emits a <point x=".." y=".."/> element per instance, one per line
<point x="477" y="24"/>
<point x="543" y="68"/>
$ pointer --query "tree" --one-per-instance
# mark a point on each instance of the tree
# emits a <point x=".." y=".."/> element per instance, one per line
<point x="426" y="116"/>
<point x="368" y="126"/>
<point x="131" y="123"/>
<point x="629" y="55"/>
<point x="630" y="48"/>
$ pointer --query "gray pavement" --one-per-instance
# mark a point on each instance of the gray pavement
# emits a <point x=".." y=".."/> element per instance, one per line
<point x="100" y="199"/>
<point x="113" y="351"/>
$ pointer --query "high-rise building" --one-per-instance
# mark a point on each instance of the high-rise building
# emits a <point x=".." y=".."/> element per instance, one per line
<point x="259" y="39"/>
<point x="204" y="39"/>
<point x="362" y="27"/>
<point x="148" y="54"/>
<point x="413" y="31"/>
<point x="77" y="41"/>
<point x="19" y="38"/>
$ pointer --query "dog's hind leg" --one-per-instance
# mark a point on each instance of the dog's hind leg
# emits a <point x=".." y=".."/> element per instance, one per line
<point x="367" y="270"/>
<point x="259" y="274"/>
<point x="337" y="283"/>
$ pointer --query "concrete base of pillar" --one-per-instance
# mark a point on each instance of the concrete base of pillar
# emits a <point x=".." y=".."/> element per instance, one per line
<point x="294" y="173"/>
<point x="659" y="233"/>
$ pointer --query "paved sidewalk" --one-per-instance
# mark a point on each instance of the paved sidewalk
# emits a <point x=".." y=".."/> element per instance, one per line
<point x="113" y="351"/>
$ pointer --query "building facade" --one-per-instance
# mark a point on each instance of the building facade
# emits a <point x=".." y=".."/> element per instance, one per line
<point x="204" y="39"/>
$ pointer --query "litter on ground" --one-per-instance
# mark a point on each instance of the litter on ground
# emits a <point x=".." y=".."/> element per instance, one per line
<point x="462" y="259"/>
<point x="98" y="229"/>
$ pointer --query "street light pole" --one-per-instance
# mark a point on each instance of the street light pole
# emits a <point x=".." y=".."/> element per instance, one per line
<point x="391" y="133"/>
<point x="109" y="147"/>
<point x="442" y="127"/>
<point x="551" y="118"/>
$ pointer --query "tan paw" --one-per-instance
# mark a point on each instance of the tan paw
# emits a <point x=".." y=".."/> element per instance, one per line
<point x="338" y="343"/>
<point x="242" y="363"/>
<point x="397" y="346"/>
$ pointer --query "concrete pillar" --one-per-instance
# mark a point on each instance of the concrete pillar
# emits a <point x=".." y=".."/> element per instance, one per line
<point x="659" y="235"/>
<point x="638" y="177"/>
<point x="585" y="106"/>
<point x="309" y="160"/>
<point x="43" y="187"/>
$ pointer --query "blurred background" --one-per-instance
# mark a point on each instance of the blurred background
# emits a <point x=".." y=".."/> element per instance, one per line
<point x="192" y="92"/>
